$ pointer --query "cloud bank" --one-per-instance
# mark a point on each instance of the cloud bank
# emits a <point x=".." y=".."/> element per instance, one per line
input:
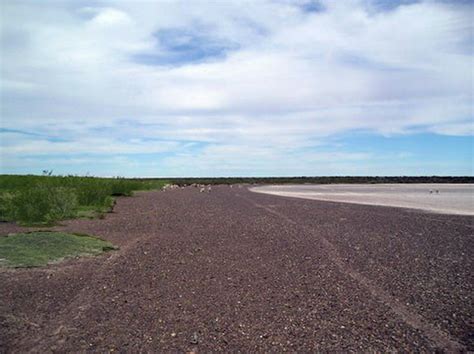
<point x="228" y="88"/>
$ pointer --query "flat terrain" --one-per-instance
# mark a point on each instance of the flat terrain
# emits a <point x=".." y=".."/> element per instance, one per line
<point x="436" y="198"/>
<point x="236" y="270"/>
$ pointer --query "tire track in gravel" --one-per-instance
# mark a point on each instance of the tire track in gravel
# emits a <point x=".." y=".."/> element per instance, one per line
<point x="249" y="273"/>
<point x="440" y="338"/>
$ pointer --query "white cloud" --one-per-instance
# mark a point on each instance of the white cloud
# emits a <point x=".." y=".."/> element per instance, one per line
<point x="293" y="78"/>
<point x="109" y="17"/>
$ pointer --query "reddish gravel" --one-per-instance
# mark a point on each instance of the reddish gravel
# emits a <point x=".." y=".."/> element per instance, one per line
<point x="236" y="270"/>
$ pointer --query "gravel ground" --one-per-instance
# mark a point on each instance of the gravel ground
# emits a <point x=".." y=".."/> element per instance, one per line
<point x="234" y="270"/>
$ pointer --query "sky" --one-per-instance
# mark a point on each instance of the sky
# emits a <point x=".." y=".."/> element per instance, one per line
<point x="237" y="88"/>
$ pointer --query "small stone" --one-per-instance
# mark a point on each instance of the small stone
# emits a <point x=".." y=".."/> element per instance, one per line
<point x="194" y="338"/>
<point x="173" y="334"/>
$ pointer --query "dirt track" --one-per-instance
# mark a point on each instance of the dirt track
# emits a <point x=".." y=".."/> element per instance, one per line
<point x="235" y="270"/>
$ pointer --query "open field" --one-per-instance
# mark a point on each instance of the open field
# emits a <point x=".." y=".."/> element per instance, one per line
<point x="232" y="269"/>
<point x="432" y="197"/>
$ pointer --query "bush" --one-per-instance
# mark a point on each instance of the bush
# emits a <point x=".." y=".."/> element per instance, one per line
<point x="63" y="202"/>
<point x="122" y="187"/>
<point x="93" y="192"/>
<point x="43" y="204"/>
<point x="6" y="206"/>
<point x="30" y="205"/>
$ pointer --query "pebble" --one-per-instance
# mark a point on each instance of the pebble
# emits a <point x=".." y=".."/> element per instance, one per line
<point x="194" y="338"/>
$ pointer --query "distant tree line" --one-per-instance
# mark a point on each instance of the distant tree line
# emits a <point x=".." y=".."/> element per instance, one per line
<point x="322" y="180"/>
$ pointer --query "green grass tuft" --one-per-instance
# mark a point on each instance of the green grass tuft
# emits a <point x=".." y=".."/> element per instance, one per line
<point x="37" y="249"/>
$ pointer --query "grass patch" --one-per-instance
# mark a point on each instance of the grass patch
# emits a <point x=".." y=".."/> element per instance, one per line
<point x="35" y="249"/>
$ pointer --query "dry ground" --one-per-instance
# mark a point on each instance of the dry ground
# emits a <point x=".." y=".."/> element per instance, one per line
<point x="439" y="198"/>
<point x="236" y="270"/>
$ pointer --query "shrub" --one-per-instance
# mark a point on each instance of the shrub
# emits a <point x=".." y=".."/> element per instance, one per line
<point x="43" y="204"/>
<point x="63" y="203"/>
<point x="6" y="206"/>
<point x="93" y="192"/>
<point x="122" y="187"/>
<point x="31" y="205"/>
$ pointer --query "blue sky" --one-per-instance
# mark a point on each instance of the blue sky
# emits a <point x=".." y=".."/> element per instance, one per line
<point x="206" y="88"/>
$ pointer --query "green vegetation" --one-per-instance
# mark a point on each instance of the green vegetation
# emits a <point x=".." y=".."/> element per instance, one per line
<point x="40" y="248"/>
<point x="43" y="200"/>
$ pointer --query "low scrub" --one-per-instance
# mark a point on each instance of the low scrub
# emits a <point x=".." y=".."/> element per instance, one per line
<point x="123" y="187"/>
<point x="5" y="206"/>
<point x="33" y="200"/>
<point x="92" y="192"/>
<point x="42" y="204"/>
